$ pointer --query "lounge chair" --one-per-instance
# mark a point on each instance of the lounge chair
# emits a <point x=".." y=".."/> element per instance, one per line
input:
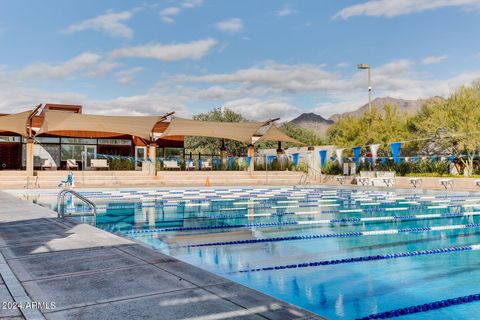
<point x="190" y="165"/>
<point x="365" y="178"/>
<point x="72" y="164"/>
<point x="477" y="182"/>
<point x="171" y="165"/>
<point x="47" y="164"/>
<point x="99" y="164"/>
<point x="206" y="165"/>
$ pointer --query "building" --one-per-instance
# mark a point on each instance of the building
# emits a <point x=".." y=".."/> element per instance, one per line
<point x="62" y="145"/>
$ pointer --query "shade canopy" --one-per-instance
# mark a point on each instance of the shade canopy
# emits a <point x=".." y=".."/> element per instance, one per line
<point x="240" y="131"/>
<point x="16" y="122"/>
<point x="275" y="134"/>
<point x="139" y="126"/>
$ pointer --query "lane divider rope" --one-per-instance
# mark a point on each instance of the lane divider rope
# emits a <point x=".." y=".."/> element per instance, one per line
<point x="339" y="235"/>
<point x="439" y="304"/>
<point x="314" y="222"/>
<point x="364" y="258"/>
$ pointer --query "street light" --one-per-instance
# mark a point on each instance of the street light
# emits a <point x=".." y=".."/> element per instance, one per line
<point x="363" y="66"/>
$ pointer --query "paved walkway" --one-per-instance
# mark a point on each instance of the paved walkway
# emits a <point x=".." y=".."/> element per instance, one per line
<point x="64" y="270"/>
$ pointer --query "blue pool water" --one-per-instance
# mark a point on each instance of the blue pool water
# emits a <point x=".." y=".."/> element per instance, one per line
<point x="341" y="253"/>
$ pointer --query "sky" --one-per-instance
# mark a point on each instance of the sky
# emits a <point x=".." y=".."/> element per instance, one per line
<point x="263" y="59"/>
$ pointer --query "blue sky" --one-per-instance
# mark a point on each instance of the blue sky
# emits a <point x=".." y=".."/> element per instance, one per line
<point x="261" y="58"/>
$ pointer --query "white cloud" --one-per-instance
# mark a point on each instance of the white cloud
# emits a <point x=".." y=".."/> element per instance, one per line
<point x="392" y="8"/>
<point x="109" y="23"/>
<point x="77" y="65"/>
<point x="256" y="109"/>
<point x="146" y="104"/>
<point x="170" y="52"/>
<point x="126" y="76"/>
<point x="288" y="78"/>
<point x="342" y="65"/>
<point x="233" y="25"/>
<point x="191" y="3"/>
<point x="167" y="14"/>
<point x="434" y="59"/>
<point x="286" y="11"/>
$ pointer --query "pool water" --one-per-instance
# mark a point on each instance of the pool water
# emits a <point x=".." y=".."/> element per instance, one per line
<point x="340" y="253"/>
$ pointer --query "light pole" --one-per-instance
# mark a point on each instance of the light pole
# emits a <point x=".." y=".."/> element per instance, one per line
<point x="367" y="66"/>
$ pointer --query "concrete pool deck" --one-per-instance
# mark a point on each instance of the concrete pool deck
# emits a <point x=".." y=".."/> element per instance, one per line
<point x="73" y="271"/>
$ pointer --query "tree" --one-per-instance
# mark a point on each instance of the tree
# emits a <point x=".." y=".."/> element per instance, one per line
<point x="373" y="127"/>
<point x="455" y="122"/>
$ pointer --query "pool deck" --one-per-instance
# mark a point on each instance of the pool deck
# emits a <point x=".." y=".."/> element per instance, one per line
<point x="89" y="273"/>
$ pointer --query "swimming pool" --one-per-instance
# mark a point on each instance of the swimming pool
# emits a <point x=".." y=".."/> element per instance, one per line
<point x="341" y="253"/>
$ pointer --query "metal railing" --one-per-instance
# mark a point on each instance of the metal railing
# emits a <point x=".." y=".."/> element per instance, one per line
<point x="61" y="204"/>
<point x="36" y="185"/>
<point x="304" y="177"/>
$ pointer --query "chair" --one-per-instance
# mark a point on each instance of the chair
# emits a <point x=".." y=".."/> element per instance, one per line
<point x="171" y="165"/>
<point x="47" y="164"/>
<point x="341" y="179"/>
<point x="72" y="164"/>
<point x="190" y="165"/>
<point x="477" y="182"/>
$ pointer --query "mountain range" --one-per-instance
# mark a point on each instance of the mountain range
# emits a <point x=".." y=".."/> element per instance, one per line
<point x="320" y="124"/>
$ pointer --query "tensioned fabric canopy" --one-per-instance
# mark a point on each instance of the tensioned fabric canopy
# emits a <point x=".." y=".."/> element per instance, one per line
<point x="16" y="122"/>
<point x="139" y="126"/>
<point x="240" y="131"/>
<point x="275" y="134"/>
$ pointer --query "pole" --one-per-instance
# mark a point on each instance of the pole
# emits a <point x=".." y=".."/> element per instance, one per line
<point x="369" y="91"/>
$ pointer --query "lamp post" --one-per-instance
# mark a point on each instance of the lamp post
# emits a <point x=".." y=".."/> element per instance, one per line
<point x="364" y="66"/>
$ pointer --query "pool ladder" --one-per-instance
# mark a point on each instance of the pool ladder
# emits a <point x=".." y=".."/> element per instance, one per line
<point x="61" y="205"/>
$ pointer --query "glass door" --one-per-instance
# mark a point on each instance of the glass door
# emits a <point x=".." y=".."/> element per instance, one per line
<point x="90" y="152"/>
<point x="140" y="157"/>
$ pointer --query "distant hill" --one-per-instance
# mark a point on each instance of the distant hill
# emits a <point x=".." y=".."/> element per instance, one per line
<point x="404" y="106"/>
<point x="320" y="125"/>
<point x="313" y="122"/>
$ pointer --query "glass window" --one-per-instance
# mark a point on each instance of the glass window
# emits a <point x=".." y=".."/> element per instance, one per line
<point x="48" y="139"/>
<point x="67" y="152"/>
<point x="79" y="140"/>
<point x="122" y="142"/>
<point x="9" y="139"/>
<point x="173" y="152"/>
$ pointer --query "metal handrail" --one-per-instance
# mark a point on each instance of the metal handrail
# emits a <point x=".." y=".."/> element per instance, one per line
<point x="61" y="204"/>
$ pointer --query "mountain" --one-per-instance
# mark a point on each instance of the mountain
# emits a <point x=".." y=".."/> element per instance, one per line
<point x="313" y="122"/>
<point x="320" y="125"/>
<point x="404" y="106"/>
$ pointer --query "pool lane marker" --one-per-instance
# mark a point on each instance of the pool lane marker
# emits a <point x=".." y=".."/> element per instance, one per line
<point x="377" y="257"/>
<point x="439" y="304"/>
<point x="332" y="235"/>
<point x="326" y="221"/>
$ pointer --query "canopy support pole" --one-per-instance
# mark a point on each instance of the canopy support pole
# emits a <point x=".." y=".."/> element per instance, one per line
<point x="152" y="155"/>
<point x="29" y="164"/>
<point x="251" y="153"/>
<point x="223" y="150"/>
